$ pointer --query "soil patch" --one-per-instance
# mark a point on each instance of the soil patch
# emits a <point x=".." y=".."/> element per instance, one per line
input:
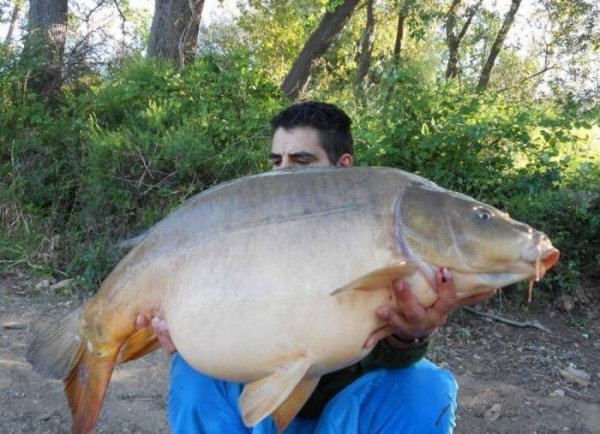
<point x="510" y="377"/>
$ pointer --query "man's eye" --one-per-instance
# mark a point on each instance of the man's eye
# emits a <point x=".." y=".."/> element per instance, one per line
<point x="276" y="162"/>
<point x="303" y="162"/>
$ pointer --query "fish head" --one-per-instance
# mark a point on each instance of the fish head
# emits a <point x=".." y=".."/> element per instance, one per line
<point x="483" y="246"/>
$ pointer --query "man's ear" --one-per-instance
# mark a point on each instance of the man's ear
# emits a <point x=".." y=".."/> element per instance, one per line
<point x="345" y="160"/>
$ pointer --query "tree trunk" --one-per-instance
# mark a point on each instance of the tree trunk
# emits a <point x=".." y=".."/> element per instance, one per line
<point x="399" y="35"/>
<point x="12" y="23"/>
<point x="366" y="46"/>
<point x="486" y="72"/>
<point x="174" y="31"/>
<point x="452" y="39"/>
<point x="318" y="43"/>
<point x="45" y="44"/>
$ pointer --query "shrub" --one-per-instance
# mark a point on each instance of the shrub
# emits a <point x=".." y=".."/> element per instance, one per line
<point x="99" y="166"/>
<point x="111" y="162"/>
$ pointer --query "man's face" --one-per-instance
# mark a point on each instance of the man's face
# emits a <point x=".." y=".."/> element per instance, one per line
<point x="297" y="147"/>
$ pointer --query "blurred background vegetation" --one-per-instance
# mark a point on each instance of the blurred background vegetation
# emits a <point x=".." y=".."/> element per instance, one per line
<point x="111" y="116"/>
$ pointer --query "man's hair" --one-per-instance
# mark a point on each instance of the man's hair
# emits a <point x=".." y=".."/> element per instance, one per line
<point x="331" y="123"/>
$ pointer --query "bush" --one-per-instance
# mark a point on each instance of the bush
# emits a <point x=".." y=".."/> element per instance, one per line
<point x="111" y="162"/>
<point x="100" y="166"/>
<point x="461" y="140"/>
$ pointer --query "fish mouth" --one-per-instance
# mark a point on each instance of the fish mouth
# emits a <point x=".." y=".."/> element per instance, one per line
<point x="550" y="259"/>
<point x="542" y="263"/>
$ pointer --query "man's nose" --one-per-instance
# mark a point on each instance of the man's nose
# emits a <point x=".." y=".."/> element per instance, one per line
<point x="285" y="162"/>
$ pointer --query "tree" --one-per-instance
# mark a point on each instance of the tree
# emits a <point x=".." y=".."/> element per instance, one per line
<point x="366" y="45"/>
<point x="399" y="34"/>
<point x="416" y="16"/>
<point x="569" y="47"/>
<point x="45" y="44"/>
<point x="318" y="43"/>
<point x="13" y="21"/>
<point x="273" y="32"/>
<point x="174" y="31"/>
<point x="486" y="72"/>
<point x="453" y="40"/>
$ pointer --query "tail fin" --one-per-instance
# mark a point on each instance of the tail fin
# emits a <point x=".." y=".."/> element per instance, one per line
<point x="85" y="389"/>
<point x="62" y="353"/>
<point x="55" y="352"/>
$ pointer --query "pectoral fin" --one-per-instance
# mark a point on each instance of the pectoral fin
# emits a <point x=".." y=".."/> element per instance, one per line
<point x="285" y="413"/>
<point x="139" y="344"/>
<point x="262" y="397"/>
<point x="380" y="278"/>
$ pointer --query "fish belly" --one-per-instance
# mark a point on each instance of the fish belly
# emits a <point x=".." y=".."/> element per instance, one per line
<point x="244" y="303"/>
<point x="249" y="339"/>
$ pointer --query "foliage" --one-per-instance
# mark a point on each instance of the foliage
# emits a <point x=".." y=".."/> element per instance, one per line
<point x="165" y="134"/>
<point x="274" y="31"/>
<point x="127" y="140"/>
<point x="463" y="141"/>
<point x="113" y="161"/>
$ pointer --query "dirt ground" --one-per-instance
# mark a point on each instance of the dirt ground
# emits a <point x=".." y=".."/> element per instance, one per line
<point x="510" y="377"/>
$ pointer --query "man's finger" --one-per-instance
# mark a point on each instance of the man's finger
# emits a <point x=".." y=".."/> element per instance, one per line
<point x="445" y="285"/>
<point x="447" y="300"/>
<point x="376" y="336"/>
<point x="159" y="325"/>
<point x="407" y="303"/>
<point x="161" y="329"/>
<point x="141" y="321"/>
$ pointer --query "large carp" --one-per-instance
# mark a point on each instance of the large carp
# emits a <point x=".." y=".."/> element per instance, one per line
<point x="273" y="281"/>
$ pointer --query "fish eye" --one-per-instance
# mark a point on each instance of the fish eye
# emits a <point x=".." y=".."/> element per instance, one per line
<point x="483" y="214"/>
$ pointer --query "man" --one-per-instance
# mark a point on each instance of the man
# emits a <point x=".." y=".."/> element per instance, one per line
<point x="392" y="390"/>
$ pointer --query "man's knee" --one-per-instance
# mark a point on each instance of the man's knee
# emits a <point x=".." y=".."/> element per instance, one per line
<point x="186" y="383"/>
<point x="189" y="386"/>
<point x="201" y="404"/>
<point x="425" y="395"/>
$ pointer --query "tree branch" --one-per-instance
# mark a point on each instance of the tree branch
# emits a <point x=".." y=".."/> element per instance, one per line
<point x="535" y="324"/>
<point x="529" y="77"/>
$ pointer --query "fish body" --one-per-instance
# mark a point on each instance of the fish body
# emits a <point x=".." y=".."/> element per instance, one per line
<point x="273" y="280"/>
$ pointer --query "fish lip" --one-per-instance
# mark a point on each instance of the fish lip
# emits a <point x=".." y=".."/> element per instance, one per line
<point x="540" y="262"/>
<point x="550" y="258"/>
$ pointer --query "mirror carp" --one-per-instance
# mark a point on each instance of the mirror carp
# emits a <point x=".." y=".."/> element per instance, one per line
<point x="273" y="280"/>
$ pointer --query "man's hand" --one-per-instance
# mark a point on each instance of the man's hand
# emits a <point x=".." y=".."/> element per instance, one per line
<point x="161" y="329"/>
<point x="410" y="320"/>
